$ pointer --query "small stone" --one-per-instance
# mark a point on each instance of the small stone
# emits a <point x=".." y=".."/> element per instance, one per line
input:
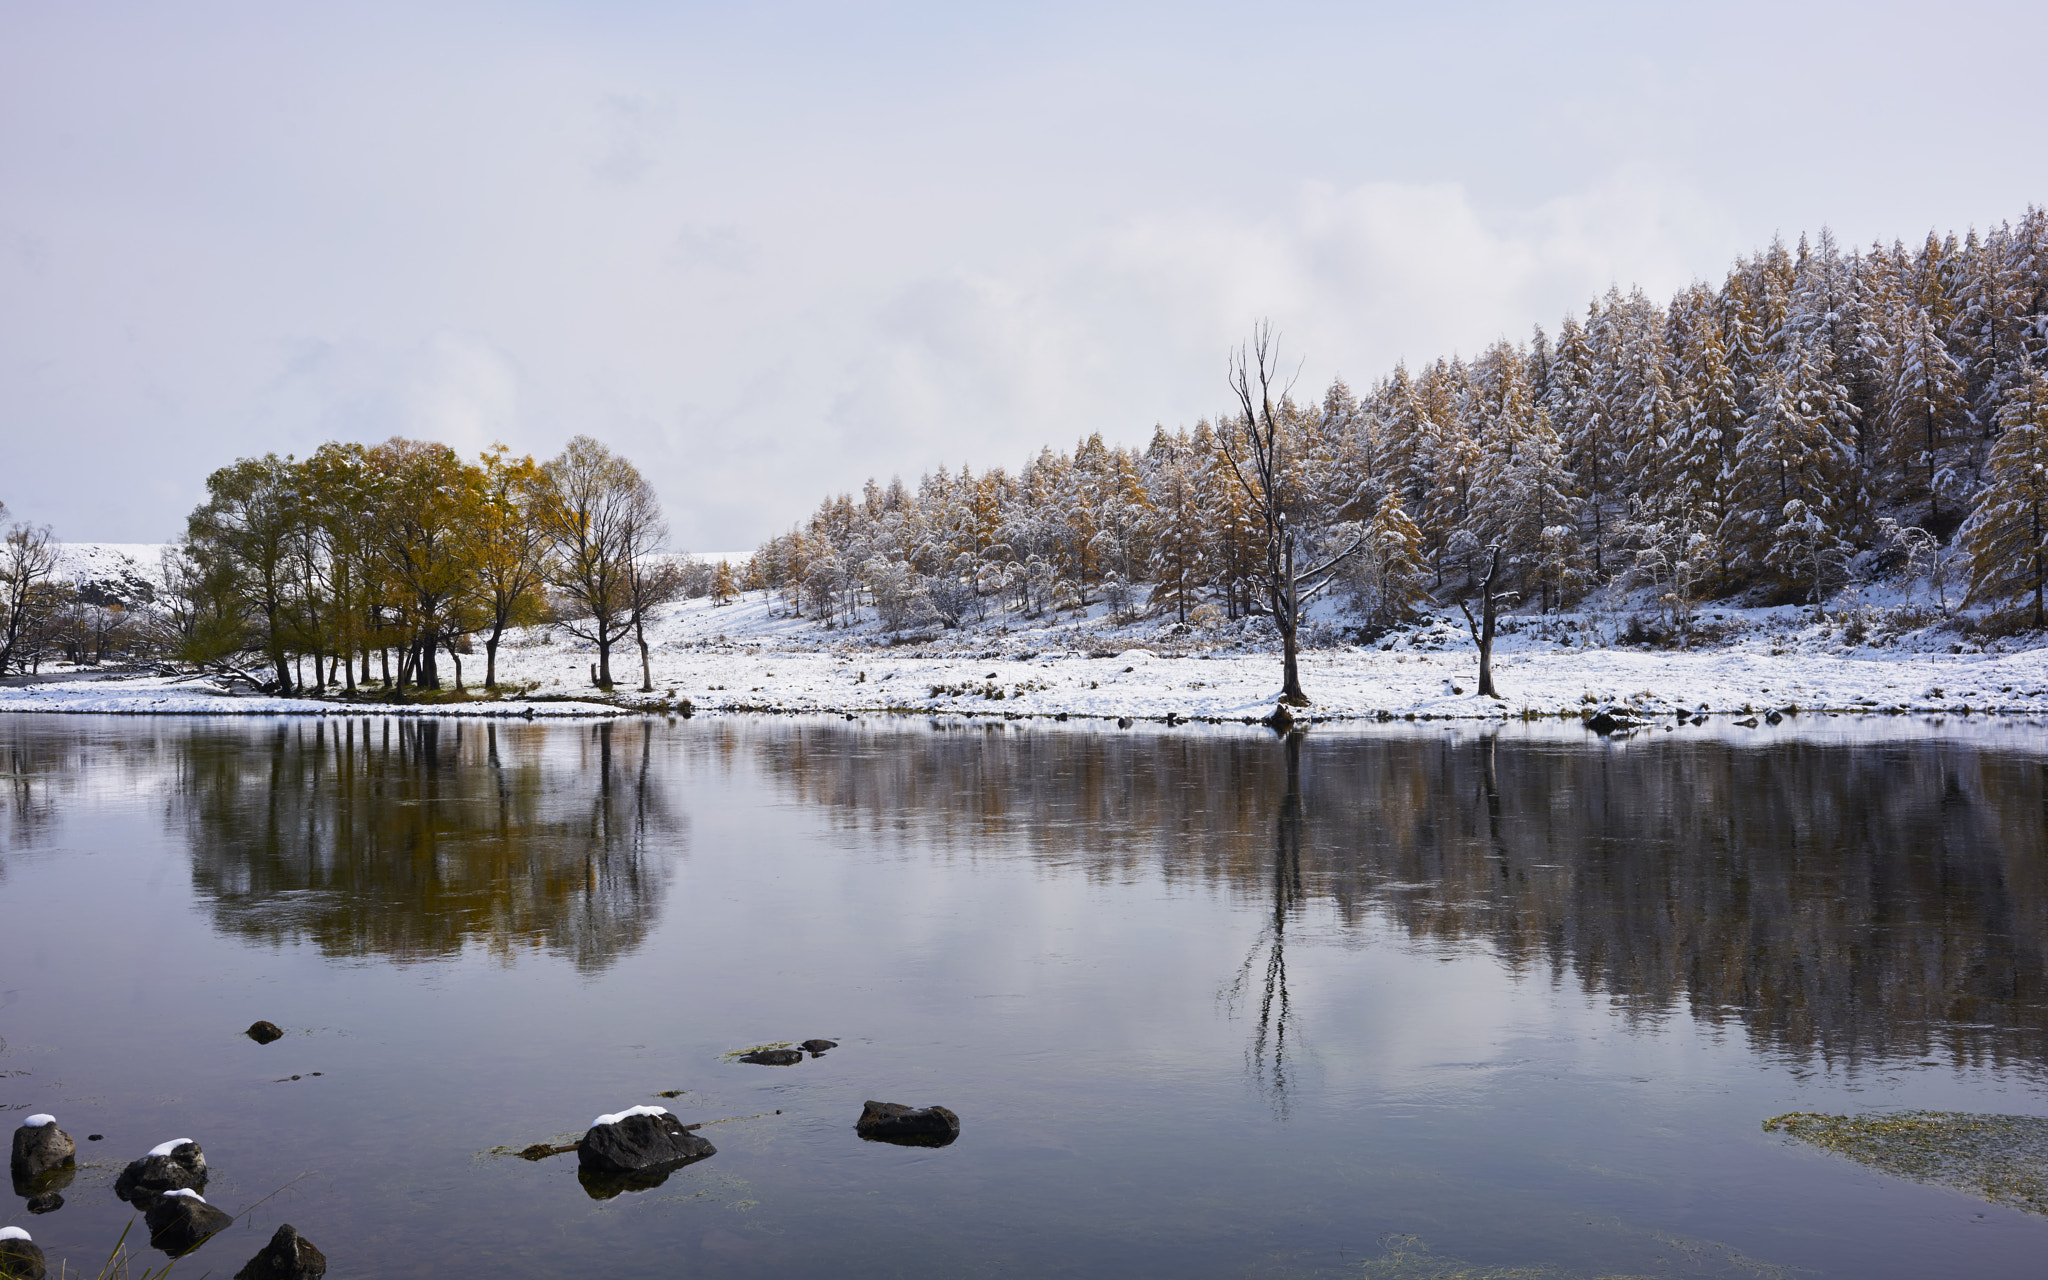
<point x="907" y="1126"/>
<point x="48" y="1202"/>
<point x="773" y="1057"/>
<point x="179" y="1224"/>
<point x="288" y="1256"/>
<point x="816" y="1047"/>
<point x="21" y="1258"/>
<point x="184" y="1169"/>
<point x="635" y="1153"/>
<point x="40" y="1149"/>
<point x="95" y="1137"/>
<point x="264" y="1032"/>
<point x="1123" y="722"/>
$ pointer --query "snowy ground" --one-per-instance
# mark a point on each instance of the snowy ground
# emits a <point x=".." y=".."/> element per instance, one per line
<point x="745" y="656"/>
<point x="1876" y="654"/>
<point x="156" y="695"/>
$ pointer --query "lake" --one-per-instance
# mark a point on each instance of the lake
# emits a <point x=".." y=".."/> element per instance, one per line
<point x="1410" y="1001"/>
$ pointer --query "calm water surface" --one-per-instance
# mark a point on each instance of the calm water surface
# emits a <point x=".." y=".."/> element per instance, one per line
<point x="1208" y="1004"/>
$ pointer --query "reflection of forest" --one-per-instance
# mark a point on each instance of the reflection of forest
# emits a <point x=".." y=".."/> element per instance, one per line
<point x="1836" y="900"/>
<point x="409" y="839"/>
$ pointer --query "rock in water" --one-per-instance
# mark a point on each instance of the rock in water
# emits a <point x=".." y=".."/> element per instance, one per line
<point x="40" y="1147"/>
<point x="264" y="1032"/>
<point x="20" y="1257"/>
<point x="177" y="1165"/>
<point x="181" y="1221"/>
<point x="1612" y="718"/>
<point x="773" y="1057"/>
<point x="48" y="1202"/>
<point x="816" y="1047"/>
<point x="641" y="1140"/>
<point x="907" y="1126"/>
<point x="288" y="1256"/>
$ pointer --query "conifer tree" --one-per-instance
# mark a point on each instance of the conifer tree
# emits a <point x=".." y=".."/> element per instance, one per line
<point x="2007" y="535"/>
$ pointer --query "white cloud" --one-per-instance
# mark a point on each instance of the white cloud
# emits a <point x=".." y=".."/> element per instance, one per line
<point x="1134" y="324"/>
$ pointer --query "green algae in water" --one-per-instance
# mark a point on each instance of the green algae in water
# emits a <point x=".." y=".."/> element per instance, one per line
<point x="1410" y="1258"/>
<point x="2003" y="1159"/>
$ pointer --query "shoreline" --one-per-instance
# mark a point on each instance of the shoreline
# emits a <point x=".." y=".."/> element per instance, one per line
<point x="1139" y="686"/>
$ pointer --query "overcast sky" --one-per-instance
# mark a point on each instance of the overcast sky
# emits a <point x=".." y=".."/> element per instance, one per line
<point x="768" y="251"/>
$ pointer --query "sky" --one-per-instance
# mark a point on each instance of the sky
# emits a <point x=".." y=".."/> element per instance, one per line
<point x="769" y="251"/>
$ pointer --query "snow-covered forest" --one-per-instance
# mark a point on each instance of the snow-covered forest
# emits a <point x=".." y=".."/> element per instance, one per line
<point x="1822" y="416"/>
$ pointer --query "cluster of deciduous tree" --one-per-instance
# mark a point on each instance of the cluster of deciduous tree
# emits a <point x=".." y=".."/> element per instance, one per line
<point x="29" y="600"/>
<point x="1819" y="413"/>
<point x="366" y="563"/>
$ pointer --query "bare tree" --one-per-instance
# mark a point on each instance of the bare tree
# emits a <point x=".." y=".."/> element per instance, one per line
<point x="601" y="515"/>
<point x="1255" y="446"/>
<point x="26" y="594"/>
<point x="1482" y="627"/>
<point x="650" y="584"/>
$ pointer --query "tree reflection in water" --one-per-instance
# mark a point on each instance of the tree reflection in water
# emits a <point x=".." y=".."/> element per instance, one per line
<point x="413" y="839"/>
<point x="1838" y="900"/>
<point x="1266" y="1060"/>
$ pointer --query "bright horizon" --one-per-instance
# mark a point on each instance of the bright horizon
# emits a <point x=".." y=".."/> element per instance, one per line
<point x="769" y="253"/>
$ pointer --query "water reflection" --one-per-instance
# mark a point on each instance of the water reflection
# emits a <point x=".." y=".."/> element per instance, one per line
<point x="1838" y="901"/>
<point x="1267" y="1057"/>
<point x="411" y="839"/>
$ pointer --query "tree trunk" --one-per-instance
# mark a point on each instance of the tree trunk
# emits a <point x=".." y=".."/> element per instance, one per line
<point x="1482" y="628"/>
<point x="1290" y="632"/>
<point x="428" y="673"/>
<point x="646" y="667"/>
<point x="491" y="661"/>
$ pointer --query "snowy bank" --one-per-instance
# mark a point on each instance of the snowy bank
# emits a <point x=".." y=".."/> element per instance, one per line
<point x="158" y="695"/>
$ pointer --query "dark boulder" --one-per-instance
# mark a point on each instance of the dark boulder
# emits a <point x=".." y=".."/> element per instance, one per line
<point x="40" y="1148"/>
<point x="177" y="1165"/>
<point x="816" y="1047"/>
<point x="20" y="1257"/>
<point x="288" y="1256"/>
<point x="639" y="1141"/>
<point x="264" y="1032"/>
<point x="48" y="1202"/>
<point x="907" y="1126"/>
<point x="1613" y="718"/>
<point x="773" y="1057"/>
<point x="180" y="1221"/>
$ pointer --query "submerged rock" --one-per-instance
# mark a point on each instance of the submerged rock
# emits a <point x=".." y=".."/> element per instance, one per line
<point x="773" y="1057"/>
<point x="177" y="1165"/>
<point x="48" y="1202"/>
<point x="40" y="1149"/>
<point x="288" y="1256"/>
<point x="20" y="1257"/>
<point x="816" y="1047"/>
<point x="640" y="1140"/>
<point x="264" y="1032"/>
<point x="907" y="1126"/>
<point x="180" y="1221"/>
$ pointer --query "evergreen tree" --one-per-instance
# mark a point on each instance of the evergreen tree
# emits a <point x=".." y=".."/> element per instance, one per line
<point x="2007" y="535"/>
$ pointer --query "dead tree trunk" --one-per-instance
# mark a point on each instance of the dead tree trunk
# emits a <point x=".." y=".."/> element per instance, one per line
<point x="1483" y="627"/>
<point x="1254" y="446"/>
